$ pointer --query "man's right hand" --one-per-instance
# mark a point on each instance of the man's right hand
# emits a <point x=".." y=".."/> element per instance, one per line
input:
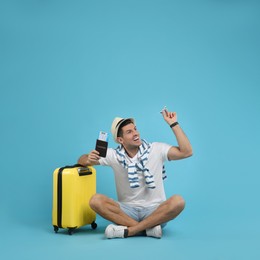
<point x="89" y="159"/>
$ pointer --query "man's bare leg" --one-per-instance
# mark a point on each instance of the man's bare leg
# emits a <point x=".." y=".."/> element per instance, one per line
<point x="110" y="210"/>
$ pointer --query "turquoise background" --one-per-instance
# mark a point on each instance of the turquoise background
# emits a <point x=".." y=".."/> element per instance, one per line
<point x="69" y="67"/>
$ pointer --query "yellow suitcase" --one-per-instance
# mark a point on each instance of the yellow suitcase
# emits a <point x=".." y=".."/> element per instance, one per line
<point x="73" y="186"/>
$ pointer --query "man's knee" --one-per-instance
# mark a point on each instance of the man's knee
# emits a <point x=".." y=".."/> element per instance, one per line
<point x="96" y="201"/>
<point x="176" y="203"/>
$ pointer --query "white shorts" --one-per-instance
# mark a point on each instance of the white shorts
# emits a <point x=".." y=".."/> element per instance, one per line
<point x="138" y="213"/>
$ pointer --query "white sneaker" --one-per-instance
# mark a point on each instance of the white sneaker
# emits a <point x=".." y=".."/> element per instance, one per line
<point x="154" y="232"/>
<point x="114" y="231"/>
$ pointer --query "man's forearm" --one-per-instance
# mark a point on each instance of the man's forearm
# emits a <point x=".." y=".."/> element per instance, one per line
<point x="183" y="142"/>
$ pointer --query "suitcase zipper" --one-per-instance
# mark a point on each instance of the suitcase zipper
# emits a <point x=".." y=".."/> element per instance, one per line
<point x="59" y="204"/>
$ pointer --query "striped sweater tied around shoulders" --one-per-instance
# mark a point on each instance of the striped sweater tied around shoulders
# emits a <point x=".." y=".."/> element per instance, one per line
<point x="138" y="168"/>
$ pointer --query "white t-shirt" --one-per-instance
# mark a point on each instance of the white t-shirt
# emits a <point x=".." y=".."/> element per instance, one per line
<point x="141" y="196"/>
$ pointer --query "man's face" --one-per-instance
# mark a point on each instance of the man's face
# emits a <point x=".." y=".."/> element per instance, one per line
<point x="131" y="137"/>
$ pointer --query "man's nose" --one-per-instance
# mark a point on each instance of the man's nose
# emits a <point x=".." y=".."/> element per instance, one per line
<point x="136" y="132"/>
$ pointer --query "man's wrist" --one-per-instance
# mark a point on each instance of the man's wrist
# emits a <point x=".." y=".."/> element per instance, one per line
<point x="173" y="124"/>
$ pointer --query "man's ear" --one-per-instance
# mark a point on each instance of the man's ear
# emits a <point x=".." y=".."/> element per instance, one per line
<point x="119" y="139"/>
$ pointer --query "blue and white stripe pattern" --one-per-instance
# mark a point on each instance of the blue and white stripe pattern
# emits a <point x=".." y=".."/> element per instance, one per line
<point x="135" y="168"/>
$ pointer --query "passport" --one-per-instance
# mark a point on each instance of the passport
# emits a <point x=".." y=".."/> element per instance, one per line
<point x="101" y="144"/>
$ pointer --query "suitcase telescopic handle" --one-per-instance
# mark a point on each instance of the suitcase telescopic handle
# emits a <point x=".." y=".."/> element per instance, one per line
<point x="84" y="171"/>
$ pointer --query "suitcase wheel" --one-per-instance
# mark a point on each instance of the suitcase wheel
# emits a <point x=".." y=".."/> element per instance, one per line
<point x="56" y="229"/>
<point x="94" y="225"/>
<point x="71" y="230"/>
